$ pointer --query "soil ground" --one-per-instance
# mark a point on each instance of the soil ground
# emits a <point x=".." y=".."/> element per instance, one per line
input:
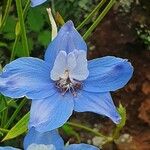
<point x="116" y="36"/>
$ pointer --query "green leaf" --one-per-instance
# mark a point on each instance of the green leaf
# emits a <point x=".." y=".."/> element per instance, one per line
<point x="30" y="42"/>
<point x="122" y="112"/>
<point x="70" y="131"/>
<point x="10" y="25"/>
<point x="9" y="35"/>
<point x="19" y="49"/>
<point x="2" y="103"/>
<point x="1" y="133"/>
<point x="44" y="37"/>
<point x="18" y="129"/>
<point x="35" y="19"/>
<point x="2" y="44"/>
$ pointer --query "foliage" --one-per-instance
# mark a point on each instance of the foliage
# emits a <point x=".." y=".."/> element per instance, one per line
<point x="79" y="9"/>
<point x="144" y="34"/>
<point x="124" y="6"/>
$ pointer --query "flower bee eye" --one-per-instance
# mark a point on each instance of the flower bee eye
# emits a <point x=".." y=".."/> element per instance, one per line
<point x="69" y="73"/>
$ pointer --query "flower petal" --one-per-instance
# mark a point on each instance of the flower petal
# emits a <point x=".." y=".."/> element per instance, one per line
<point x="8" y="148"/>
<point x="47" y="138"/>
<point x="51" y="113"/>
<point x="71" y="61"/>
<point x="107" y="74"/>
<point x="100" y="103"/>
<point x="60" y="66"/>
<point x="37" y="2"/>
<point x="80" y="72"/>
<point x="41" y="147"/>
<point x="26" y="77"/>
<point x="81" y="146"/>
<point x="68" y="39"/>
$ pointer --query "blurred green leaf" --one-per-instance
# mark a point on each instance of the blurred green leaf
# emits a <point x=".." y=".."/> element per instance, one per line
<point x="10" y="103"/>
<point x="2" y="44"/>
<point x="19" y="49"/>
<point x="9" y="35"/>
<point x="35" y="19"/>
<point x="30" y="43"/>
<point x="83" y="4"/>
<point x="44" y="37"/>
<point x="18" y="129"/>
<point x="10" y="25"/>
<point x="2" y="103"/>
<point x="1" y="133"/>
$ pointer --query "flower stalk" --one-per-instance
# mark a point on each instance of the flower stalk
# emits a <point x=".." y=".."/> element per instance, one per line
<point x="5" y="16"/>
<point x="99" y="19"/>
<point x="88" y="18"/>
<point x="22" y="27"/>
<point x="18" y="31"/>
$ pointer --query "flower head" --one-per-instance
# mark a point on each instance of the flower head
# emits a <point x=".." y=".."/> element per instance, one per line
<point x="65" y="81"/>
<point x="51" y="140"/>
<point x="69" y="71"/>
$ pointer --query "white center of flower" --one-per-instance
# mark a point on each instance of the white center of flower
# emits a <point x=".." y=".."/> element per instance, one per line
<point x="70" y="70"/>
<point x="41" y="147"/>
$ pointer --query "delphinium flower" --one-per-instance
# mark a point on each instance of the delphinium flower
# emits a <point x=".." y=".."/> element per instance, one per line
<point x="65" y="81"/>
<point x="50" y="140"/>
<point x="37" y="2"/>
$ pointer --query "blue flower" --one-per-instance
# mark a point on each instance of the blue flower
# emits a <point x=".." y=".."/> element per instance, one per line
<point x="54" y="139"/>
<point x="51" y="140"/>
<point x="8" y="148"/>
<point x="37" y="2"/>
<point x="65" y="81"/>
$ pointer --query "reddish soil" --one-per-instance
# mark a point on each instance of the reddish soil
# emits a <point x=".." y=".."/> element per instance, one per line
<point x="116" y="36"/>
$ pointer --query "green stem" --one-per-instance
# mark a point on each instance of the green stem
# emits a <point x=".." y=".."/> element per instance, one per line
<point x="116" y="132"/>
<point x="2" y="119"/>
<point x="14" y="47"/>
<point x="5" y="14"/>
<point x="22" y="27"/>
<point x="22" y="103"/>
<point x="4" y="113"/>
<point x="86" y="128"/>
<point x="97" y="8"/>
<point x="4" y="130"/>
<point x="18" y="34"/>
<point x="5" y="116"/>
<point x="100" y="17"/>
<point x="53" y="7"/>
<point x="26" y="8"/>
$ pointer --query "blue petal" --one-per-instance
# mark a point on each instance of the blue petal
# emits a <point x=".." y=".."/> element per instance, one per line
<point x="8" y="148"/>
<point x="51" y="113"/>
<point x="37" y="2"/>
<point x="46" y="138"/>
<point x="100" y="103"/>
<point x="26" y="77"/>
<point x="108" y="74"/>
<point x="68" y="39"/>
<point x="81" y="147"/>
